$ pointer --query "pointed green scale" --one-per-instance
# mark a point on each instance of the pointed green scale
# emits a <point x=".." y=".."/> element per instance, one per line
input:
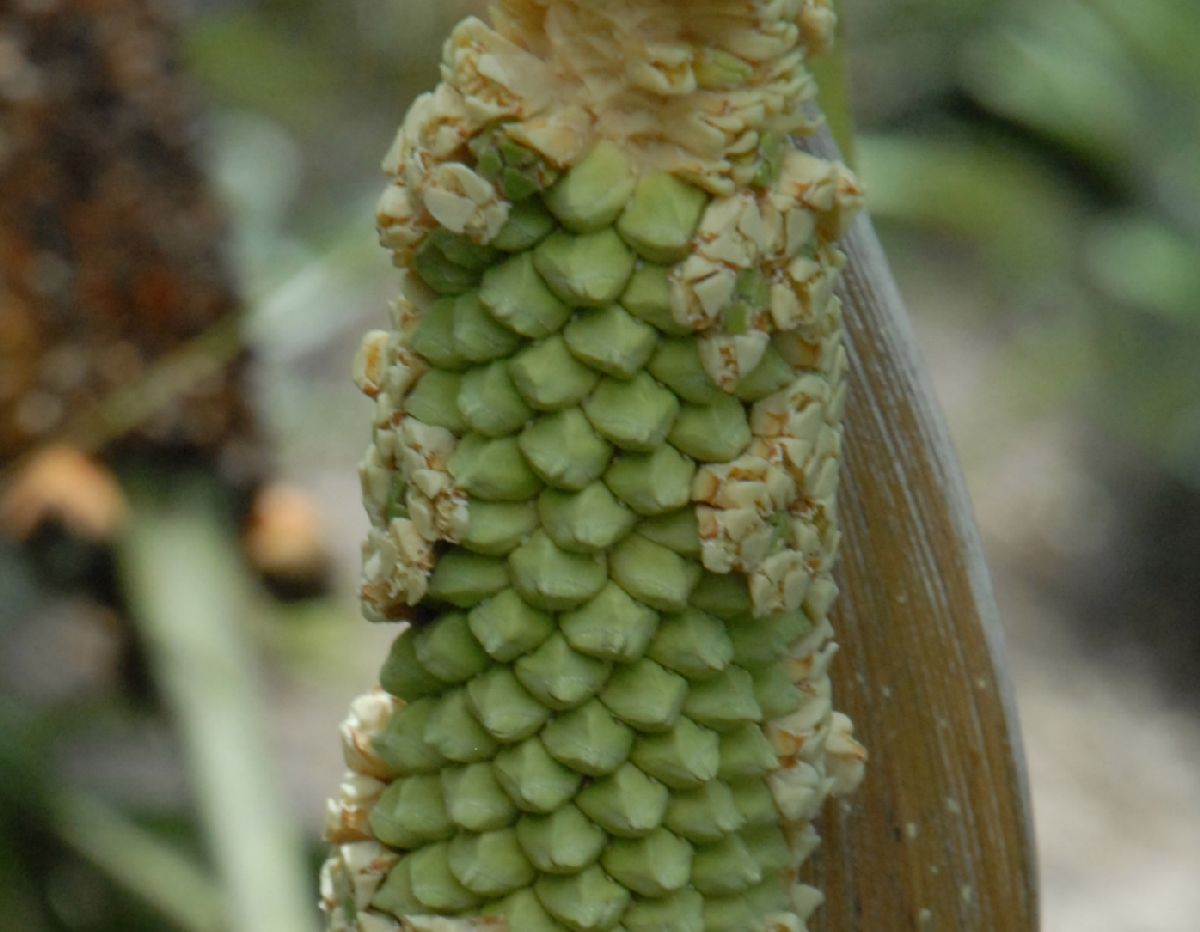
<point x="554" y="579"/>
<point x="396" y="895"/>
<point x="679" y="912"/>
<point x="645" y="695"/>
<point x="448" y="650"/>
<point x="411" y="812"/>
<point x="433" y="337"/>
<point x="654" y="483"/>
<point x="564" y="450"/>
<point x="612" y="626"/>
<point x="754" y="801"/>
<point x="692" y="643"/>
<point x="595" y="191"/>
<point x="519" y="298"/>
<point x="440" y="273"/>
<point x="612" y="340"/>
<point x="770" y="897"/>
<point x="463" y="579"/>
<point x="585" y="521"/>
<point x="402" y="674"/>
<point x="403" y="747"/>
<point x="589" y="901"/>
<point x="496" y="528"/>
<point x="434" y="400"/>
<point x="462" y="250"/>
<point x="588" y="739"/>
<point x="704" y="815"/>
<point x="560" y="677"/>
<point x="534" y="780"/>
<point x="714" y="433"/>
<point x="775" y="692"/>
<point x="760" y="641"/>
<point x="474" y="799"/>
<point x="655" y="865"/>
<point x="504" y="707"/>
<point x="564" y="842"/>
<point x="724" y="868"/>
<point x="683" y="758"/>
<point x="770" y="848"/>
<point x="524" y="911"/>
<point x="653" y="574"/>
<point x="491" y="864"/>
<point x="662" y="217"/>
<point x="676" y="363"/>
<point x="648" y="297"/>
<point x="771" y="375"/>
<point x="636" y="415"/>
<point x="724" y="701"/>
<point x="723" y="595"/>
<point x="550" y="378"/>
<point x="489" y="401"/>
<point x="455" y="732"/>
<point x="494" y="470"/>
<point x="627" y="804"/>
<point x="746" y="752"/>
<point x="585" y="270"/>
<point x="528" y="224"/>
<point x="730" y="914"/>
<point x="675" y="530"/>
<point x="507" y="626"/>
<point x="434" y="884"/>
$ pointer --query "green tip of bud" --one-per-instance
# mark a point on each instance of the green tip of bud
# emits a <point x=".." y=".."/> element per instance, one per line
<point x="770" y="848"/>
<point x="655" y="865"/>
<point x="402" y="746"/>
<point x="433" y="337"/>
<point x="493" y="469"/>
<point x="645" y="695"/>
<point x="692" y="643"/>
<point x="474" y="799"/>
<point x="653" y="574"/>
<point x="724" y="867"/>
<point x="683" y="758"/>
<point x="704" y="815"/>
<point x="463" y="579"/>
<point x="433" y="400"/>
<point x="636" y="415"/>
<point x="714" y="433"/>
<point x="403" y="675"/>
<point x="730" y="914"/>
<point x="440" y="272"/>
<point x="724" y="701"/>
<point x="746" y="752"/>
<point x="592" y="194"/>
<point x="528" y="224"/>
<point x="434" y="883"/>
<point x="448" y="650"/>
<point x="411" y="812"/>
<point x="777" y="695"/>
<point x="772" y="374"/>
<point x="679" y="912"/>
<point x="754" y="801"/>
<point x="772" y="149"/>
<point x="477" y="336"/>
<point x="611" y="340"/>
<point x="559" y="676"/>
<point x="524" y="911"/>
<point x="585" y="270"/>
<point x="461" y="250"/>
<point x="550" y="378"/>
<point x="662" y="217"/>
<point x="761" y="641"/>
<point x="491" y="864"/>
<point x="648" y="297"/>
<point x="504" y="707"/>
<point x="396" y="895"/>
<point x="533" y="779"/>
<point x="652" y="484"/>
<point x="627" y="804"/>
<point x="496" y="528"/>
<point x="590" y="901"/>
<point x="456" y="733"/>
<point x="508" y="627"/>
<point x="518" y="297"/>
<point x="489" y="401"/>
<point x="723" y="595"/>
<point x="677" y="365"/>
<point x="562" y="843"/>
<point x="612" y="626"/>
<point x="588" y="739"/>
<point x="554" y="579"/>
<point x="717" y="70"/>
<point x="564" y="450"/>
<point x="675" y="530"/>
<point x="585" y="521"/>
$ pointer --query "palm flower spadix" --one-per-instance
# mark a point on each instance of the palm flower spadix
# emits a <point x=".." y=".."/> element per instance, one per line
<point x="602" y="483"/>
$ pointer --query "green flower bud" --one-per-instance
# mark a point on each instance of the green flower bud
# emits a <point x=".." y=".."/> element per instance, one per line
<point x="611" y="340"/>
<point x="494" y="470"/>
<point x="533" y="779"/>
<point x="528" y="224"/>
<point x="585" y="521"/>
<point x="518" y="297"/>
<point x="524" y="911"/>
<point x="755" y="802"/>
<point x="678" y="912"/>
<point x="724" y="868"/>
<point x="491" y="864"/>
<point x="434" y="884"/>
<point x="692" y="643"/>
<point x="489" y="401"/>
<point x="653" y="574"/>
<point x="440" y="272"/>
<point x="715" y="433"/>
<point x="627" y="804"/>
<point x="770" y="897"/>
<point x="645" y="695"/>
<point x="564" y="842"/>
<point x="560" y="677"/>
<point x="677" y="365"/>
<point x="518" y="172"/>
<point x="771" y="375"/>
<point x="554" y="579"/>
<point x="549" y="378"/>
<point x="612" y="626"/>
<point x="730" y="914"/>
<point x="456" y="733"/>
<point x="433" y="337"/>
<point x="462" y="250"/>
<point x="724" y="701"/>
<point x="448" y="650"/>
<point x="648" y="297"/>
<point x="402" y="746"/>
<point x="655" y="865"/>
<point x="508" y="627"/>
<point x="676" y="530"/>
<point x="588" y="739"/>
<point x="636" y="415"/>
<point x="751" y="296"/>
<point x="652" y="484"/>
<point x="772" y="148"/>
<point x="746" y="752"/>
<point x="588" y="270"/>
<point x="777" y="695"/>
<point x="705" y="814"/>
<point x="504" y="707"/>
<point x="564" y="451"/>
<point x="464" y="579"/>
<point x="496" y="528"/>
<point x="589" y="901"/>
<point x="396" y="895"/>
<point x="759" y="641"/>
<point x="662" y="217"/>
<point x="474" y="799"/>
<point x="683" y="758"/>
<point x="411" y="812"/>
<point x="476" y="335"/>
<point x="716" y="69"/>
<point x="397" y="507"/>
<point x="402" y="674"/>
<point x="723" y="595"/>
<point x="594" y="192"/>
<point x="770" y="848"/>
<point x="433" y="400"/>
